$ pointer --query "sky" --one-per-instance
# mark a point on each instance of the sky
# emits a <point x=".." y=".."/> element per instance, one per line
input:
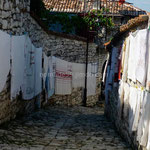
<point x="143" y="4"/>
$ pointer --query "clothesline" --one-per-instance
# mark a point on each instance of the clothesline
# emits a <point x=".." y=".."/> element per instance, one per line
<point x="18" y="54"/>
<point x="70" y="75"/>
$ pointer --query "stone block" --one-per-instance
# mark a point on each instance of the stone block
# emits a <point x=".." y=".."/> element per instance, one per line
<point x="4" y="24"/>
<point x="5" y="14"/>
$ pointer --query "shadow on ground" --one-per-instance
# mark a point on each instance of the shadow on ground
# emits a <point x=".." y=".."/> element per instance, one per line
<point x="61" y="128"/>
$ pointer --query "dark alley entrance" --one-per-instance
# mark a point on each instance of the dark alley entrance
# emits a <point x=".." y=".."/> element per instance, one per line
<point x="62" y="128"/>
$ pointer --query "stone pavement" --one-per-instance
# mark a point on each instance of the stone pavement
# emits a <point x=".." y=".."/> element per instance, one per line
<point x="61" y="128"/>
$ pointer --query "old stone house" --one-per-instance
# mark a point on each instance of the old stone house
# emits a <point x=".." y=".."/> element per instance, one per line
<point x="121" y="13"/>
<point x="112" y="107"/>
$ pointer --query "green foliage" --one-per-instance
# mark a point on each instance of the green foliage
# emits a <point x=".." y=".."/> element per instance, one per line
<point x="96" y="20"/>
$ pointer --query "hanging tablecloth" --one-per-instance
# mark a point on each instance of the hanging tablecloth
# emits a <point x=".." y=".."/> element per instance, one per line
<point x="28" y="86"/>
<point x="126" y="100"/>
<point x="142" y="56"/>
<point x="78" y="75"/>
<point x="132" y="61"/>
<point x="125" y="64"/>
<point x="38" y="70"/>
<point x="132" y="106"/>
<point x="17" y="70"/>
<point x="145" y="120"/>
<point x="91" y="80"/>
<point x="49" y="77"/>
<point x="63" y="81"/>
<point x="5" y="46"/>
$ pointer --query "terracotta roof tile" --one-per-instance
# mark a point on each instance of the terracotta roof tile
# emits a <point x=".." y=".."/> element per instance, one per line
<point x="77" y="6"/>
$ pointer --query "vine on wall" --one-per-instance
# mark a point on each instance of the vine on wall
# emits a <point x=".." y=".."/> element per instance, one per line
<point x="96" y="20"/>
<point x="93" y="20"/>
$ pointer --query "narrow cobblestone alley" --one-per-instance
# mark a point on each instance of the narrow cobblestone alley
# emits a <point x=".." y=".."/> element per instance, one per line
<point x="61" y="128"/>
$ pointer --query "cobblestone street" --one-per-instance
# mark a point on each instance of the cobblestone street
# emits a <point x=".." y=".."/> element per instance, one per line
<point x="61" y="128"/>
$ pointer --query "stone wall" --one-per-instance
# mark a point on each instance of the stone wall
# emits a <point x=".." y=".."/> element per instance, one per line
<point x="121" y="124"/>
<point x="69" y="49"/>
<point x="15" y="19"/>
<point x="111" y="109"/>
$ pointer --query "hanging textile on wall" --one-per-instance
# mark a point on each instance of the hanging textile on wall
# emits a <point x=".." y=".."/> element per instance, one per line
<point x="54" y="66"/>
<point x="120" y="98"/>
<point x="134" y="94"/>
<point x="78" y="75"/>
<point x="38" y="70"/>
<point x="142" y="111"/>
<point x="114" y="61"/>
<point x="107" y="86"/>
<point x="49" y="76"/>
<point x="120" y="61"/>
<point x="142" y="59"/>
<point x="52" y="77"/>
<point x="148" y="141"/>
<point x="45" y="69"/>
<point x="91" y="79"/>
<point x="122" y="58"/>
<point x="132" y="106"/>
<point x="126" y="57"/>
<point x="145" y="120"/>
<point x="148" y="72"/>
<point x="94" y="69"/>
<point x="63" y="81"/>
<point x="28" y="86"/>
<point x="105" y="70"/>
<point x="132" y="61"/>
<point x="137" y="111"/>
<point x="17" y="70"/>
<point x="5" y="46"/>
<point x="126" y="99"/>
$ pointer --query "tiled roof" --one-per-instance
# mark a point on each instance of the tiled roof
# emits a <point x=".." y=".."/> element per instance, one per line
<point x="77" y="6"/>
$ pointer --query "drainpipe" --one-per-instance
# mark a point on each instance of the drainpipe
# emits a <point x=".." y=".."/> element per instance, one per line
<point x="86" y="71"/>
<point x="100" y="5"/>
<point x="86" y="68"/>
<point x="84" y="6"/>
